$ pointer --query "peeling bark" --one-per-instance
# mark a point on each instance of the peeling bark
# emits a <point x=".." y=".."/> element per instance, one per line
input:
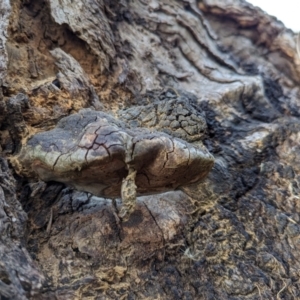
<point x="221" y="74"/>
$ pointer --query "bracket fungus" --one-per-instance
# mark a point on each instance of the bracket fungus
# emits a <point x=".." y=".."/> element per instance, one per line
<point x="94" y="152"/>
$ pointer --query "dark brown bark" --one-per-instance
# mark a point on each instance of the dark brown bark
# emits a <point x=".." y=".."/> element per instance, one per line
<point x="234" y="235"/>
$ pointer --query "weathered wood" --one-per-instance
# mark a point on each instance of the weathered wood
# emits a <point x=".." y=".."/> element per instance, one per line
<point x="216" y="72"/>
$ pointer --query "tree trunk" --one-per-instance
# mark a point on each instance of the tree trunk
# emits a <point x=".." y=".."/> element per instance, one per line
<point x="153" y="66"/>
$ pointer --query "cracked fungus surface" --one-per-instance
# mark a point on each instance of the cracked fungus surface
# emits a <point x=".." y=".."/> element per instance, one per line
<point x="92" y="151"/>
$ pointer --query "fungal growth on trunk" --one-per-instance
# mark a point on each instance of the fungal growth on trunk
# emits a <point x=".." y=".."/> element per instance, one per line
<point x="94" y="152"/>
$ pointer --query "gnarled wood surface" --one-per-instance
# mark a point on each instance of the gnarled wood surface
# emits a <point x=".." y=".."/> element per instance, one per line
<point x="212" y="72"/>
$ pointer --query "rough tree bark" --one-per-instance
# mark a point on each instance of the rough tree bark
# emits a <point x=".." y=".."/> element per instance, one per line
<point x="212" y="72"/>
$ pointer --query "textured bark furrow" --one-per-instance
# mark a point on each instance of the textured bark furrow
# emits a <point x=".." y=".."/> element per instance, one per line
<point x="182" y="28"/>
<point x="72" y="78"/>
<point x="248" y="46"/>
<point x="94" y="30"/>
